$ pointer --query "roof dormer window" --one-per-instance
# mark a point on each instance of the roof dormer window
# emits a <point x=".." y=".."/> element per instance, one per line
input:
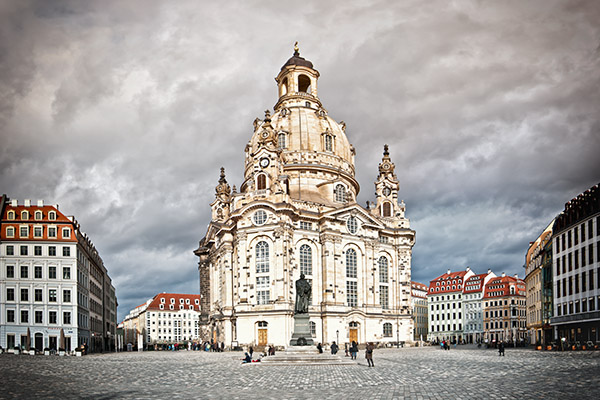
<point x="340" y="193"/>
<point x="38" y="215"/>
<point x="24" y="215"/>
<point x="52" y="215"/>
<point x="11" y="215"/>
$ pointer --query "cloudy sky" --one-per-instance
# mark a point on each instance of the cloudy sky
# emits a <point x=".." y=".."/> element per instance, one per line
<point x="122" y="113"/>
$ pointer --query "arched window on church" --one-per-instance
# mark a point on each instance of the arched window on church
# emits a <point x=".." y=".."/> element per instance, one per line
<point x="328" y="143"/>
<point x="261" y="182"/>
<point x="386" y="209"/>
<point x="340" y="193"/>
<point x="281" y="141"/>
<point x="383" y="269"/>
<point x="262" y="257"/>
<point x="305" y="260"/>
<point x="351" y="261"/>
<point x="304" y="84"/>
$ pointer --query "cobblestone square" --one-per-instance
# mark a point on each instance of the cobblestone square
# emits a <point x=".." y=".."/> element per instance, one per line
<point x="413" y="373"/>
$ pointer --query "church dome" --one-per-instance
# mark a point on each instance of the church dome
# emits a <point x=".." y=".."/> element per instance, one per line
<point x="312" y="145"/>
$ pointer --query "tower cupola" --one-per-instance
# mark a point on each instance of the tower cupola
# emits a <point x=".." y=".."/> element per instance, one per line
<point x="297" y="82"/>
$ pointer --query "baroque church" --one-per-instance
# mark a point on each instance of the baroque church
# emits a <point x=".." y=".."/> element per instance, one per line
<point x="296" y="213"/>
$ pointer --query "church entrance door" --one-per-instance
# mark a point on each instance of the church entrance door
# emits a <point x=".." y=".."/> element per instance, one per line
<point x="262" y="337"/>
<point x="353" y="335"/>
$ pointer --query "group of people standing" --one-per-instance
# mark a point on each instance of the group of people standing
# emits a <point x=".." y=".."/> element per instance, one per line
<point x="353" y="350"/>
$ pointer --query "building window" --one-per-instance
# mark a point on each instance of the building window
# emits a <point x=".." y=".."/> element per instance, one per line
<point x="37" y="231"/>
<point x="51" y="250"/>
<point x="340" y="193"/>
<point x="11" y="215"/>
<point x="305" y="260"/>
<point x="351" y="293"/>
<point x="313" y="329"/>
<point x="66" y="296"/>
<point x="66" y="251"/>
<point x="262" y="257"/>
<point x="51" y="272"/>
<point x="67" y="318"/>
<point x="383" y="269"/>
<point x="10" y="231"/>
<point x="384" y="297"/>
<point x="39" y="317"/>
<point x="328" y="143"/>
<point x="10" y="250"/>
<point x="261" y="182"/>
<point x="262" y="290"/>
<point x="351" y="263"/>
<point x="38" y="295"/>
<point x="387" y="329"/>
<point x="24" y="272"/>
<point x="51" y="231"/>
<point x="52" y="215"/>
<point x="352" y="224"/>
<point x="37" y="250"/>
<point x="10" y="271"/>
<point x="24" y="295"/>
<point x="23" y="231"/>
<point x="10" y="315"/>
<point x="38" y="215"/>
<point x="24" y="251"/>
<point x="52" y="295"/>
<point x="66" y="272"/>
<point x="387" y="209"/>
<point x="24" y="215"/>
<point x="24" y="316"/>
<point x="52" y="317"/>
<point x="260" y="217"/>
<point x="66" y="233"/>
<point x="281" y="141"/>
<point x="305" y="225"/>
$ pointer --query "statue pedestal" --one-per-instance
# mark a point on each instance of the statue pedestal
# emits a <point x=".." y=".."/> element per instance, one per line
<point x="301" y="335"/>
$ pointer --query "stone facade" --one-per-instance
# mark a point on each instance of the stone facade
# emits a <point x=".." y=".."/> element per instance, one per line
<point x="296" y="212"/>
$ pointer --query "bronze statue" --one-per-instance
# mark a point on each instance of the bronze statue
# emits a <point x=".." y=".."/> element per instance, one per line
<point x="303" y="291"/>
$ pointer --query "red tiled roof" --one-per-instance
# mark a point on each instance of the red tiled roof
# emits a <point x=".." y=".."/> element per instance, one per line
<point x="176" y="302"/>
<point x="474" y="283"/>
<point x="61" y="222"/>
<point x="500" y="287"/>
<point x="448" y="283"/>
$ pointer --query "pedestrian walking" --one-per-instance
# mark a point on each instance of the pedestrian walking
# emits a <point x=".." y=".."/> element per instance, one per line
<point x="369" y="354"/>
<point x="320" y="348"/>
<point x="354" y="350"/>
<point x="501" y="349"/>
<point x="346" y="350"/>
<point x="250" y="350"/>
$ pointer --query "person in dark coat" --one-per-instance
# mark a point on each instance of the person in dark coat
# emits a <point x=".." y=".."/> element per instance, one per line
<point x="501" y="349"/>
<point x="320" y="348"/>
<point x="369" y="354"/>
<point x="354" y="350"/>
<point x="250" y="350"/>
<point x="246" y="359"/>
<point x="334" y="348"/>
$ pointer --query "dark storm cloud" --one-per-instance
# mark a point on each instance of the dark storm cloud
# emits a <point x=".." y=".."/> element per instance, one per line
<point x="123" y="112"/>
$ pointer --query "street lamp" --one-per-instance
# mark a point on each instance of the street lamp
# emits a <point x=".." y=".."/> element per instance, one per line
<point x="337" y="335"/>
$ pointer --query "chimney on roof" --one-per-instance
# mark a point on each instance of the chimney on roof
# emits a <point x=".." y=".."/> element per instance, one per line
<point x="14" y="203"/>
<point x="489" y="271"/>
<point x="468" y="269"/>
<point x="503" y="274"/>
<point x="27" y="203"/>
<point x="517" y="276"/>
<point x="40" y="203"/>
<point x="448" y="271"/>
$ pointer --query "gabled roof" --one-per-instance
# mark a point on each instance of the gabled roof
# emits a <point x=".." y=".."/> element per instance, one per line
<point x="450" y="282"/>
<point x="474" y="284"/>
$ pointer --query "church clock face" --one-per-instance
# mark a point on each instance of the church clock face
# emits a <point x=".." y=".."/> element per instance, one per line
<point x="264" y="162"/>
<point x="386" y="166"/>
<point x="387" y="191"/>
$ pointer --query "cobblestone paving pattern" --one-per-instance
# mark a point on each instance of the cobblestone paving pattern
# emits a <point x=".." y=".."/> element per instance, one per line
<point x="411" y="373"/>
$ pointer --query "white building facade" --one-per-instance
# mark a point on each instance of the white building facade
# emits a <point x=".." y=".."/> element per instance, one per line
<point x="296" y="212"/>
<point x="473" y="307"/>
<point x="445" y="306"/>
<point x="45" y="263"/>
